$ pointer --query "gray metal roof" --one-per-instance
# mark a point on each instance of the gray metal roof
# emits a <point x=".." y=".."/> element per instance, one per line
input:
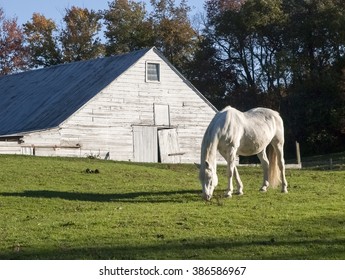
<point x="44" y="98"/>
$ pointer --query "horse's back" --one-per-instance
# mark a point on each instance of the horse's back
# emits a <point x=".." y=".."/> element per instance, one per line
<point x="252" y="117"/>
<point x="248" y="130"/>
<point x="261" y="126"/>
<point x="267" y="117"/>
<point x="260" y="112"/>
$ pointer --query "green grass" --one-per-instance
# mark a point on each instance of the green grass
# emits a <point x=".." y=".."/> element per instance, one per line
<point x="50" y="208"/>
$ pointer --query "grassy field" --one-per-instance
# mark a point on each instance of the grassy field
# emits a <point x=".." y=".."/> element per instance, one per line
<point x="51" y="208"/>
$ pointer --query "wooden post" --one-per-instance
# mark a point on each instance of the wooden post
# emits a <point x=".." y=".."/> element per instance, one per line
<point x="298" y="153"/>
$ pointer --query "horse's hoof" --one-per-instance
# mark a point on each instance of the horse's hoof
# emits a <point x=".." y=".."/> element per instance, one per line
<point x="239" y="193"/>
<point x="284" y="191"/>
<point x="263" y="189"/>
<point x="228" y="195"/>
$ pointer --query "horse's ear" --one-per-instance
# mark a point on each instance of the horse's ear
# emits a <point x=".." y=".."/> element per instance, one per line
<point x="207" y="165"/>
<point x="197" y="165"/>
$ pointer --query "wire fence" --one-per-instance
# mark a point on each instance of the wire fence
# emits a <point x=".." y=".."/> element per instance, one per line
<point x="325" y="162"/>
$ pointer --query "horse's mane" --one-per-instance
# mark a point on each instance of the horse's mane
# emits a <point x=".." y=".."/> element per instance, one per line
<point x="211" y="137"/>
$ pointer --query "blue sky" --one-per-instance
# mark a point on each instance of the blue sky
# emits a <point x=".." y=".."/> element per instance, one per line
<point x="23" y="9"/>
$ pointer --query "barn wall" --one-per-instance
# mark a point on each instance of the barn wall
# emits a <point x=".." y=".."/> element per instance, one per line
<point x="10" y="148"/>
<point x="104" y="126"/>
<point x="129" y="101"/>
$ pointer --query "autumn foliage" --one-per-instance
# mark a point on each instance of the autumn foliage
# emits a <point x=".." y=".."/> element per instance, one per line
<point x="288" y="55"/>
<point x="13" y="53"/>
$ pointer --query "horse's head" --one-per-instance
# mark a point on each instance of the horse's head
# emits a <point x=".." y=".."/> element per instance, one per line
<point x="208" y="179"/>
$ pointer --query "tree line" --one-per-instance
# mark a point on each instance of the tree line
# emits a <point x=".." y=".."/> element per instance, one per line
<point x="127" y="26"/>
<point x="288" y="55"/>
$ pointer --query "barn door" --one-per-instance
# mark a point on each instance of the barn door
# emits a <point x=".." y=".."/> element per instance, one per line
<point x="161" y="114"/>
<point x="168" y="146"/>
<point x="145" y="144"/>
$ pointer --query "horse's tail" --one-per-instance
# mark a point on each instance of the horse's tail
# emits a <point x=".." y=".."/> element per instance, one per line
<point x="274" y="178"/>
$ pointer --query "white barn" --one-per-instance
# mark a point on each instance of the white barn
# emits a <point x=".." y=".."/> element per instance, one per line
<point x="132" y="107"/>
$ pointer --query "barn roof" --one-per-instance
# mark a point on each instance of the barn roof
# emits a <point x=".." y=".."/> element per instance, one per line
<point x="44" y="98"/>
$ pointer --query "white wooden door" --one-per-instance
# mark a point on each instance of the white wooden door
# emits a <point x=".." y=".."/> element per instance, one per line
<point x="161" y="114"/>
<point x="168" y="146"/>
<point x="145" y="144"/>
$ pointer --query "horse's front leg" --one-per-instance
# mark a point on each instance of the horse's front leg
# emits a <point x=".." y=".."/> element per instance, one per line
<point x="231" y="171"/>
<point x="238" y="181"/>
<point x="229" y="190"/>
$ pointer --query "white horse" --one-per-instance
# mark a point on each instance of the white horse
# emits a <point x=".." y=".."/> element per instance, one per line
<point x="233" y="133"/>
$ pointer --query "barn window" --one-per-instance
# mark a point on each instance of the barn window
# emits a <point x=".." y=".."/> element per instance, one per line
<point x="152" y="72"/>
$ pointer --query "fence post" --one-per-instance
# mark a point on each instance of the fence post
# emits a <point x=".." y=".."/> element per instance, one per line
<point x="298" y="153"/>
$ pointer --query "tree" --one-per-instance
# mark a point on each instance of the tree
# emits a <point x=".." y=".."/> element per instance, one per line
<point x="287" y="55"/>
<point x="42" y="41"/>
<point x="79" y="37"/>
<point x="211" y="77"/>
<point x="76" y="40"/>
<point x="314" y="36"/>
<point x="315" y="41"/>
<point x="173" y="31"/>
<point x="13" y="53"/>
<point x="127" y="27"/>
<point x="248" y="37"/>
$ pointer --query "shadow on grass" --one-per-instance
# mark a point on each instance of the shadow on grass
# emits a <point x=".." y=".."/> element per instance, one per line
<point x="133" y="197"/>
<point x="259" y="249"/>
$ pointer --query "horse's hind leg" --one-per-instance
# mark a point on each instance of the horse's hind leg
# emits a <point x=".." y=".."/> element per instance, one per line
<point x="265" y="164"/>
<point x="281" y="164"/>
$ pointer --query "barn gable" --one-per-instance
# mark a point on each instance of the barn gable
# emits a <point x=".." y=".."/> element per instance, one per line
<point x="144" y="110"/>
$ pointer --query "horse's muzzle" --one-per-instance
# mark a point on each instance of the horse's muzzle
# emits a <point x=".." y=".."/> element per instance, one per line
<point x="206" y="197"/>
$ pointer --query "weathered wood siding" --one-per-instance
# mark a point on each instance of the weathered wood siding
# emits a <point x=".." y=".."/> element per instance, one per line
<point x="10" y="148"/>
<point x="104" y="126"/>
